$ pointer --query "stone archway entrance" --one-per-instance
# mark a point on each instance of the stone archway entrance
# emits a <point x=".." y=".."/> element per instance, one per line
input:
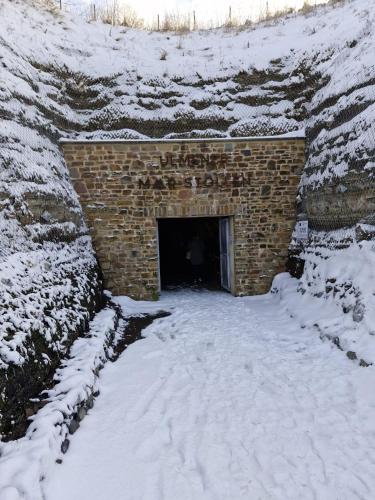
<point x="126" y="187"/>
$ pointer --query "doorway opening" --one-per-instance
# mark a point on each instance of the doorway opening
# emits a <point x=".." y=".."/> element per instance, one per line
<point x="195" y="252"/>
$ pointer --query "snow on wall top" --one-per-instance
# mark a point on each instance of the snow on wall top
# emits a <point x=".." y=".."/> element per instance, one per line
<point x="299" y="134"/>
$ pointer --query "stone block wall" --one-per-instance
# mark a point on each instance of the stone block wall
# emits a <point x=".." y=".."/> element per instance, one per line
<point x="124" y="187"/>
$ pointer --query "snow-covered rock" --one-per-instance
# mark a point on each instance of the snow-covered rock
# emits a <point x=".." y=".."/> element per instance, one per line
<point x="23" y="462"/>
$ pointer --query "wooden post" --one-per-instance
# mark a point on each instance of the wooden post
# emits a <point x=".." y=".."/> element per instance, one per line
<point x="194" y="21"/>
<point x="230" y="15"/>
<point x="94" y="12"/>
<point x="60" y="4"/>
<point x="158" y="22"/>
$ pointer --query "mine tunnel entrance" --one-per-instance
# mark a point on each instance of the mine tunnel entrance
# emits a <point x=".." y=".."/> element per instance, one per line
<point x="195" y="252"/>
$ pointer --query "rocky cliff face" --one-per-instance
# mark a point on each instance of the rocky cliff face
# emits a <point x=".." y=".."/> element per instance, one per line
<point x="64" y="78"/>
<point x="49" y="280"/>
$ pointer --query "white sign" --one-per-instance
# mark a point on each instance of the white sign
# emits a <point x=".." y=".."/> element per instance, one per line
<point x="302" y="230"/>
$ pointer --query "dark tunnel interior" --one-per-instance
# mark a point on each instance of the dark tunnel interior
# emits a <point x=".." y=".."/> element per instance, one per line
<point x="189" y="252"/>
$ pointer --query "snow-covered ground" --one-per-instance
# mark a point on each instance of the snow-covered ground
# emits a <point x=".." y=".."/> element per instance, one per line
<point x="227" y="398"/>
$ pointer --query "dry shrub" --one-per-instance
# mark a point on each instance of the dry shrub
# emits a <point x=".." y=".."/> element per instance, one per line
<point x="48" y="5"/>
<point x="307" y="7"/>
<point x="270" y="16"/>
<point x="175" y="21"/>
<point x="115" y="13"/>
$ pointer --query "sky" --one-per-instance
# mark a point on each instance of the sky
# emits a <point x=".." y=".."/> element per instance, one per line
<point x="215" y="11"/>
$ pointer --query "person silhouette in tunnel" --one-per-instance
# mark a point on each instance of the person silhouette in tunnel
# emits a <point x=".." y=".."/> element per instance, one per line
<point x="195" y="254"/>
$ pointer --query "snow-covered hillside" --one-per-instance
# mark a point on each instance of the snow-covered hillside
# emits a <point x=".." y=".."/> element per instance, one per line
<point x="310" y="71"/>
<point x="61" y="77"/>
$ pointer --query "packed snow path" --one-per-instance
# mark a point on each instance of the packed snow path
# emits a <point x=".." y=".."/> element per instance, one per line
<point x="227" y="398"/>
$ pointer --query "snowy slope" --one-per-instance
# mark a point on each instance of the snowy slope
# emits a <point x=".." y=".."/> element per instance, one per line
<point x="61" y="77"/>
<point x="23" y="462"/>
<point x="49" y="285"/>
<point x="301" y="71"/>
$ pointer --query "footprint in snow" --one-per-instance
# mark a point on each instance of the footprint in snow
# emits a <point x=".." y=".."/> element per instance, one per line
<point x="153" y="354"/>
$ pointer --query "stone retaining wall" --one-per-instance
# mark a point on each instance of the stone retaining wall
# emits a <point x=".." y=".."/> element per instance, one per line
<point x="343" y="202"/>
<point x="124" y="187"/>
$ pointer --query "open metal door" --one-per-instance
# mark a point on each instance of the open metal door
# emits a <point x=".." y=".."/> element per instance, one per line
<point x="225" y="253"/>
